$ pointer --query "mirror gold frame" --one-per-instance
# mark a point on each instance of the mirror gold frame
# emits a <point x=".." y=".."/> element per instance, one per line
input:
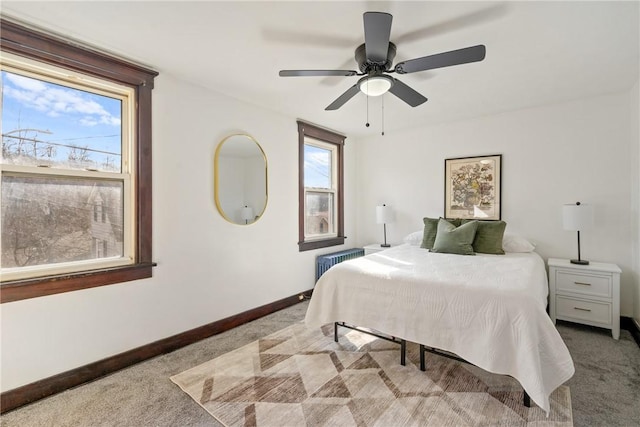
<point x="230" y="212"/>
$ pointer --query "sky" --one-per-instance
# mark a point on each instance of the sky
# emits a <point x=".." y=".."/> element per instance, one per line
<point x="317" y="167"/>
<point x="73" y="117"/>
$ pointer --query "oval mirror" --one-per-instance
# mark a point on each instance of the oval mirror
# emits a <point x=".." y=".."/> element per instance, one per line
<point x="240" y="179"/>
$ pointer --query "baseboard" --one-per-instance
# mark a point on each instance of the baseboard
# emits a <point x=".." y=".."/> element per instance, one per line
<point x="630" y="324"/>
<point x="29" y="393"/>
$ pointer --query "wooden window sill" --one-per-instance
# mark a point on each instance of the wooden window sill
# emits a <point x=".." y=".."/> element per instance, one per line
<point x="317" y="244"/>
<point x="17" y="290"/>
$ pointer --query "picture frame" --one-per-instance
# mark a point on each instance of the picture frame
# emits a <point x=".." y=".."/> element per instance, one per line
<point x="472" y="187"/>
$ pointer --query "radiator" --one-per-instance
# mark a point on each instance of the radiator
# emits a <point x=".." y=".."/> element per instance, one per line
<point x="326" y="261"/>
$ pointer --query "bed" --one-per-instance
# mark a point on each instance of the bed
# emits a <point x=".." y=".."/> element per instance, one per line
<point x="490" y="310"/>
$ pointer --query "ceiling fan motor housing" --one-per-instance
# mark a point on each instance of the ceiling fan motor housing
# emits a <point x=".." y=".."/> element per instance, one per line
<point x="367" y="67"/>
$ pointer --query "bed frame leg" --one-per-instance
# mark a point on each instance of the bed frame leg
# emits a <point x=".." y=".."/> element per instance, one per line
<point x="403" y="343"/>
<point x="423" y="364"/>
<point x="526" y="400"/>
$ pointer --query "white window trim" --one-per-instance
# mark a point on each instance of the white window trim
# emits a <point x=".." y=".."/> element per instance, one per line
<point x="334" y="190"/>
<point x="332" y="222"/>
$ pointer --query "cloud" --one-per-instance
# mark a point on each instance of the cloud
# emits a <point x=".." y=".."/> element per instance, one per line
<point x="88" y="121"/>
<point x="57" y="101"/>
<point x="317" y="167"/>
<point x="26" y="83"/>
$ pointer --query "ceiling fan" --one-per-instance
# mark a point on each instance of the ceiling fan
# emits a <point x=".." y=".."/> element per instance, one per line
<point x="375" y="58"/>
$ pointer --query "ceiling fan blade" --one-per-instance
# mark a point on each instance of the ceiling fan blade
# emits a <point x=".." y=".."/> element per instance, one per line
<point x="407" y="94"/>
<point x="377" y="30"/>
<point x="305" y="73"/>
<point x="342" y="99"/>
<point x="440" y="60"/>
<point x="330" y="81"/>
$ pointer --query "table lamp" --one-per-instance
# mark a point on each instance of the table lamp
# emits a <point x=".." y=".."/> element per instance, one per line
<point x="577" y="217"/>
<point x="384" y="215"/>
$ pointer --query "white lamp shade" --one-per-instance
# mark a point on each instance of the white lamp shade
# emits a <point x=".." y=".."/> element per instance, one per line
<point x="247" y="213"/>
<point x="384" y="214"/>
<point x="577" y="217"/>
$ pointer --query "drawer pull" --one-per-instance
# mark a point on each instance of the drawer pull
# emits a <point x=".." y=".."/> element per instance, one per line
<point x="583" y="284"/>
<point x="581" y="309"/>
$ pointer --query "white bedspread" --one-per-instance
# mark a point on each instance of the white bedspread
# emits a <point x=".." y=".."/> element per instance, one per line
<point x="488" y="309"/>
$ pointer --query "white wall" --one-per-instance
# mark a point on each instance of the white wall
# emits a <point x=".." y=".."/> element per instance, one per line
<point x="635" y="194"/>
<point x="208" y="269"/>
<point x="577" y="151"/>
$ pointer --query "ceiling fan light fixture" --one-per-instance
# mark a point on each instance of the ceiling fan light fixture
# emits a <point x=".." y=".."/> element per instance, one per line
<point x="375" y="85"/>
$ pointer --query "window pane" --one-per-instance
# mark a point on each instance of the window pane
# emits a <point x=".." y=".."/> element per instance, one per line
<point x="319" y="214"/>
<point x="48" y="220"/>
<point x="317" y="167"/>
<point x="49" y="124"/>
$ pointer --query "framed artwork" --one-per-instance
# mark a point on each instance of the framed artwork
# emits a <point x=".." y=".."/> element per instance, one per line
<point x="472" y="187"/>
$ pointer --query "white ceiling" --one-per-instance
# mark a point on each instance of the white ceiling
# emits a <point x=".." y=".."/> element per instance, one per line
<point x="537" y="52"/>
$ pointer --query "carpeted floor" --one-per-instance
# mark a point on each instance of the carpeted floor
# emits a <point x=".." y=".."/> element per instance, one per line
<point x="604" y="391"/>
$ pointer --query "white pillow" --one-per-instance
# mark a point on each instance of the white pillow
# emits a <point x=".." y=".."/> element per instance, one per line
<point x="414" y="239"/>
<point x="516" y="243"/>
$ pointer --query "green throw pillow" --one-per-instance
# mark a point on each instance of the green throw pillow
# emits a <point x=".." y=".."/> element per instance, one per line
<point x="431" y="229"/>
<point x="489" y="236"/>
<point x="455" y="221"/>
<point x="452" y="240"/>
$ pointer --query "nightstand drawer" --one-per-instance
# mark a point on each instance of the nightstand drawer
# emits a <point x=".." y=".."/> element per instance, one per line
<point x="592" y="311"/>
<point x="596" y="285"/>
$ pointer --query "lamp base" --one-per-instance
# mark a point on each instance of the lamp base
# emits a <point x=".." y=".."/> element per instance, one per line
<point x="580" y="261"/>
<point x="385" y="245"/>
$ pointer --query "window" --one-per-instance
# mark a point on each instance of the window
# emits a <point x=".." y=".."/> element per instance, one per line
<point x="321" y="214"/>
<point x="75" y="166"/>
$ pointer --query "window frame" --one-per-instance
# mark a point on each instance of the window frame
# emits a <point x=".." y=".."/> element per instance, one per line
<point x="306" y="130"/>
<point x="41" y="47"/>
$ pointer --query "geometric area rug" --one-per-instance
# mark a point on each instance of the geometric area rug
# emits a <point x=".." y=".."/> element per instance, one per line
<point x="301" y="377"/>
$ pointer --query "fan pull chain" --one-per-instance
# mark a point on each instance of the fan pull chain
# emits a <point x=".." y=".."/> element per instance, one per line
<point x="367" y="124"/>
<point x="382" y="100"/>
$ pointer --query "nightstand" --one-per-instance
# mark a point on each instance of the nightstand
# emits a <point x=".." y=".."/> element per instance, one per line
<point x="373" y="248"/>
<point x="588" y="294"/>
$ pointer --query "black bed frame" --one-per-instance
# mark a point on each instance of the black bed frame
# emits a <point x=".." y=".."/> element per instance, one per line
<point x="526" y="400"/>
